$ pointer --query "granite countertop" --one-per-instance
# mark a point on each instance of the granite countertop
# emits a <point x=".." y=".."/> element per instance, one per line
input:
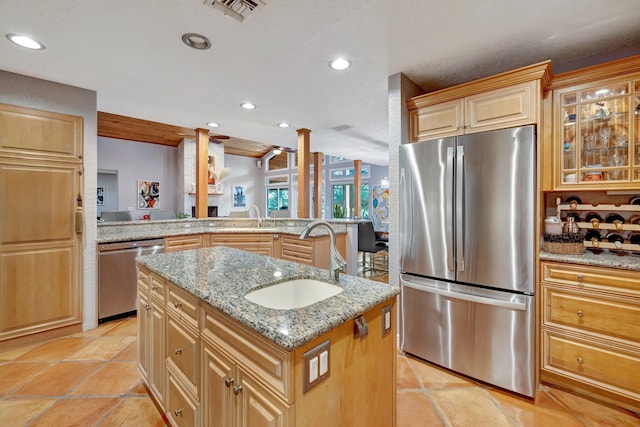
<point x="222" y="276"/>
<point x="628" y="261"/>
<point x="126" y="231"/>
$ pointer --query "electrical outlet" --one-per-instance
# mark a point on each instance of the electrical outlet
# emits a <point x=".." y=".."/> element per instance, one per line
<point x="386" y="319"/>
<point x="315" y="366"/>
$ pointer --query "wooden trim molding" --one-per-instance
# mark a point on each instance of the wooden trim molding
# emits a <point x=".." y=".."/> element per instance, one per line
<point x="202" y="156"/>
<point x="304" y="157"/>
<point x="621" y="67"/>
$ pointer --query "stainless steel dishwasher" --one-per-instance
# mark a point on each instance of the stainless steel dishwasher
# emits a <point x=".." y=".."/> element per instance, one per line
<point x="117" y="276"/>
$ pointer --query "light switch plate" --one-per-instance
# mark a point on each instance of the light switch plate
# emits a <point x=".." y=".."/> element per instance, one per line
<point x="315" y="366"/>
<point x="386" y="319"/>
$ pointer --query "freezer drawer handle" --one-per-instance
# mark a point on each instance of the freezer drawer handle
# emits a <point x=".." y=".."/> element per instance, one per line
<point x="467" y="297"/>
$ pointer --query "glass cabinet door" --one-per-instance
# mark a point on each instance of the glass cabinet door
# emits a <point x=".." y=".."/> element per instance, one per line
<point x="599" y="131"/>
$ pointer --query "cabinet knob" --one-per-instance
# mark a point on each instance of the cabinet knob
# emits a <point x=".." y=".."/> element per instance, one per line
<point x="177" y="350"/>
<point x="580" y="313"/>
<point x="236" y="389"/>
<point x="459" y="127"/>
<point x="580" y="277"/>
<point x="228" y="381"/>
<point x="79" y="155"/>
<point x="177" y="304"/>
<point x="147" y="307"/>
<point x="154" y="287"/>
<point x="580" y="360"/>
<point x="467" y="125"/>
<point x="177" y="412"/>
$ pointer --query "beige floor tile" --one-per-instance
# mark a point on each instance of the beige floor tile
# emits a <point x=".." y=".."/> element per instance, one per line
<point x="76" y="412"/>
<point x="115" y="378"/>
<point x="543" y="412"/>
<point x="126" y="328"/>
<point x="414" y="409"/>
<point x="468" y="408"/>
<point x="134" y="412"/>
<point x="138" y="389"/>
<point x="55" y="350"/>
<point x="592" y="413"/>
<point x="434" y="377"/>
<point x="58" y="379"/>
<point x="13" y="375"/>
<point x="102" y="348"/>
<point x="129" y="353"/>
<point x="405" y="378"/>
<point x="9" y="355"/>
<point x="18" y="412"/>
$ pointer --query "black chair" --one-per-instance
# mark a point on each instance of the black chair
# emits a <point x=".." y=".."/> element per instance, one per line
<point x="367" y="244"/>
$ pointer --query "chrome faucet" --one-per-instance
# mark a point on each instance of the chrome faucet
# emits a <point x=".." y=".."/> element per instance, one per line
<point x="336" y="262"/>
<point x="257" y="214"/>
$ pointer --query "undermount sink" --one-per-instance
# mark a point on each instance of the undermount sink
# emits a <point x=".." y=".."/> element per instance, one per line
<point x="293" y="294"/>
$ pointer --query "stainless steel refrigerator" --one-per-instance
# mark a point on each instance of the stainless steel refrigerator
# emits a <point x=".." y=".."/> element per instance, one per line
<point x="467" y="254"/>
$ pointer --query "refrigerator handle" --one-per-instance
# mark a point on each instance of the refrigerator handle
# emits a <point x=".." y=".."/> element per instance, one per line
<point x="460" y="208"/>
<point x="449" y="207"/>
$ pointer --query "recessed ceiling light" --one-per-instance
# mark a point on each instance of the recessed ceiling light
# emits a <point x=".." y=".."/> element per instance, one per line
<point x="340" y="64"/>
<point x="213" y="124"/>
<point x="277" y="151"/>
<point x="196" y="41"/>
<point x="25" y="41"/>
<point x="283" y="125"/>
<point x="248" y="106"/>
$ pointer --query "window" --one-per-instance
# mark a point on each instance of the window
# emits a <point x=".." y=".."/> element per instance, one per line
<point x="277" y="199"/>
<point x="278" y="162"/>
<point x="343" y="199"/>
<point x="347" y="173"/>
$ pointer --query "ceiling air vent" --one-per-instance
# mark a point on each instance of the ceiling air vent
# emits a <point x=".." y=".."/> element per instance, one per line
<point x="237" y="9"/>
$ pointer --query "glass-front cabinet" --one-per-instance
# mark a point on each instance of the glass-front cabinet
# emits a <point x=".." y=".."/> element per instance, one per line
<point x="597" y="134"/>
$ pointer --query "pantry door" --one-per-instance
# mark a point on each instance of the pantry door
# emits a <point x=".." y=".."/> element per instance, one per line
<point x="40" y="224"/>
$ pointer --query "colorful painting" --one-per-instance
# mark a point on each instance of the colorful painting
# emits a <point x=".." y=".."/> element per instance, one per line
<point x="148" y="194"/>
<point x="100" y="196"/>
<point x="239" y="196"/>
<point x="380" y="213"/>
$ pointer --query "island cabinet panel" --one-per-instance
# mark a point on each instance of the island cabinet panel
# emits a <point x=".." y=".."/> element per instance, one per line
<point x="251" y="242"/>
<point x="312" y="251"/>
<point x="590" y="339"/>
<point x="151" y="332"/>
<point x="183" y="409"/>
<point x="181" y="243"/>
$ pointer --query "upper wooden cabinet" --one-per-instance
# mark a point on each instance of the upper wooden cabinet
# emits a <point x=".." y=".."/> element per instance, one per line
<point x="596" y="127"/>
<point x="505" y="100"/>
<point x="28" y="133"/>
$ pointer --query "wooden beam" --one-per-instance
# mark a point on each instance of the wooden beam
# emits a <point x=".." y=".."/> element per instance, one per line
<point x="202" y="157"/>
<point x="304" y="156"/>
<point x="357" y="181"/>
<point x="317" y="184"/>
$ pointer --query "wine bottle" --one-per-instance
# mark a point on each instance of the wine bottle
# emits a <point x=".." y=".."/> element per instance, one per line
<point x="616" y="239"/>
<point x="594" y="219"/>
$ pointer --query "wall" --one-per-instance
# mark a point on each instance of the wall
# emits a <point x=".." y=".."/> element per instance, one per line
<point x="29" y="92"/>
<point x="140" y="161"/>
<point x="243" y="171"/>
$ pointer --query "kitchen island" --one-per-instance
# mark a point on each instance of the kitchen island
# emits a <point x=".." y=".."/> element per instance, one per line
<point x="208" y="354"/>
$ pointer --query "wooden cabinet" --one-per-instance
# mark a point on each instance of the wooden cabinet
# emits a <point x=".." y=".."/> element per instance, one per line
<point x="151" y="332"/>
<point x="251" y="242"/>
<point x="312" y="251"/>
<point x="227" y="374"/>
<point x="506" y="100"/>
<point x="40" y="225"/>
<point x="181" y="243"/>
<point x="596" y="127"/>
<point x="590" y="339"/>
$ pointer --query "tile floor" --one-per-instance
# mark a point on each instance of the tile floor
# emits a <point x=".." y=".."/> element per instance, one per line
<point x="90" y="379"/>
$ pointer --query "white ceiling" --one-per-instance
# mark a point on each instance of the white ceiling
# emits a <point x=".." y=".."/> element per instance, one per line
<point x="131" y="54"/>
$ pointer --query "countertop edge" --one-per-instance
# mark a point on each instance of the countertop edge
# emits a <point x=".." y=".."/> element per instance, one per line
<point x="604" y="259"/>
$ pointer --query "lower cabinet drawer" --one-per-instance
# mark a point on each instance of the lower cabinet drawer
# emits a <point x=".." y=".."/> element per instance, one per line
<point x="182" y="411"/>
<point x="612" y="370"/>
<point x="595" y="314"/>
<point x="183" y="351"/>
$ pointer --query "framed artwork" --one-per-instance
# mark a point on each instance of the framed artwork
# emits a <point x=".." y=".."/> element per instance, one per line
<point x="148" y="194"/>
<point x="100" y="196"/>
<point x="239" y="196"/>
<point x="380" y="213"/>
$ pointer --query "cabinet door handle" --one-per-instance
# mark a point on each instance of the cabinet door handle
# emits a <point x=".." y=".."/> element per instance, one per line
<point x="177" y="350"/>
<point x="177" y="412"/>
<point x="147" y="307"/>
<point x="177" y="304"/>
<point x="467" y="125"/>
<point x="580" y="313"/>
<point x="581" y="276"/>
<point x="459" y="127"/>
<point x="228" y="381"/>
<point x="236" y="389"/>
<point x="154" y="287"/>
<point x="580" y="360"/>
